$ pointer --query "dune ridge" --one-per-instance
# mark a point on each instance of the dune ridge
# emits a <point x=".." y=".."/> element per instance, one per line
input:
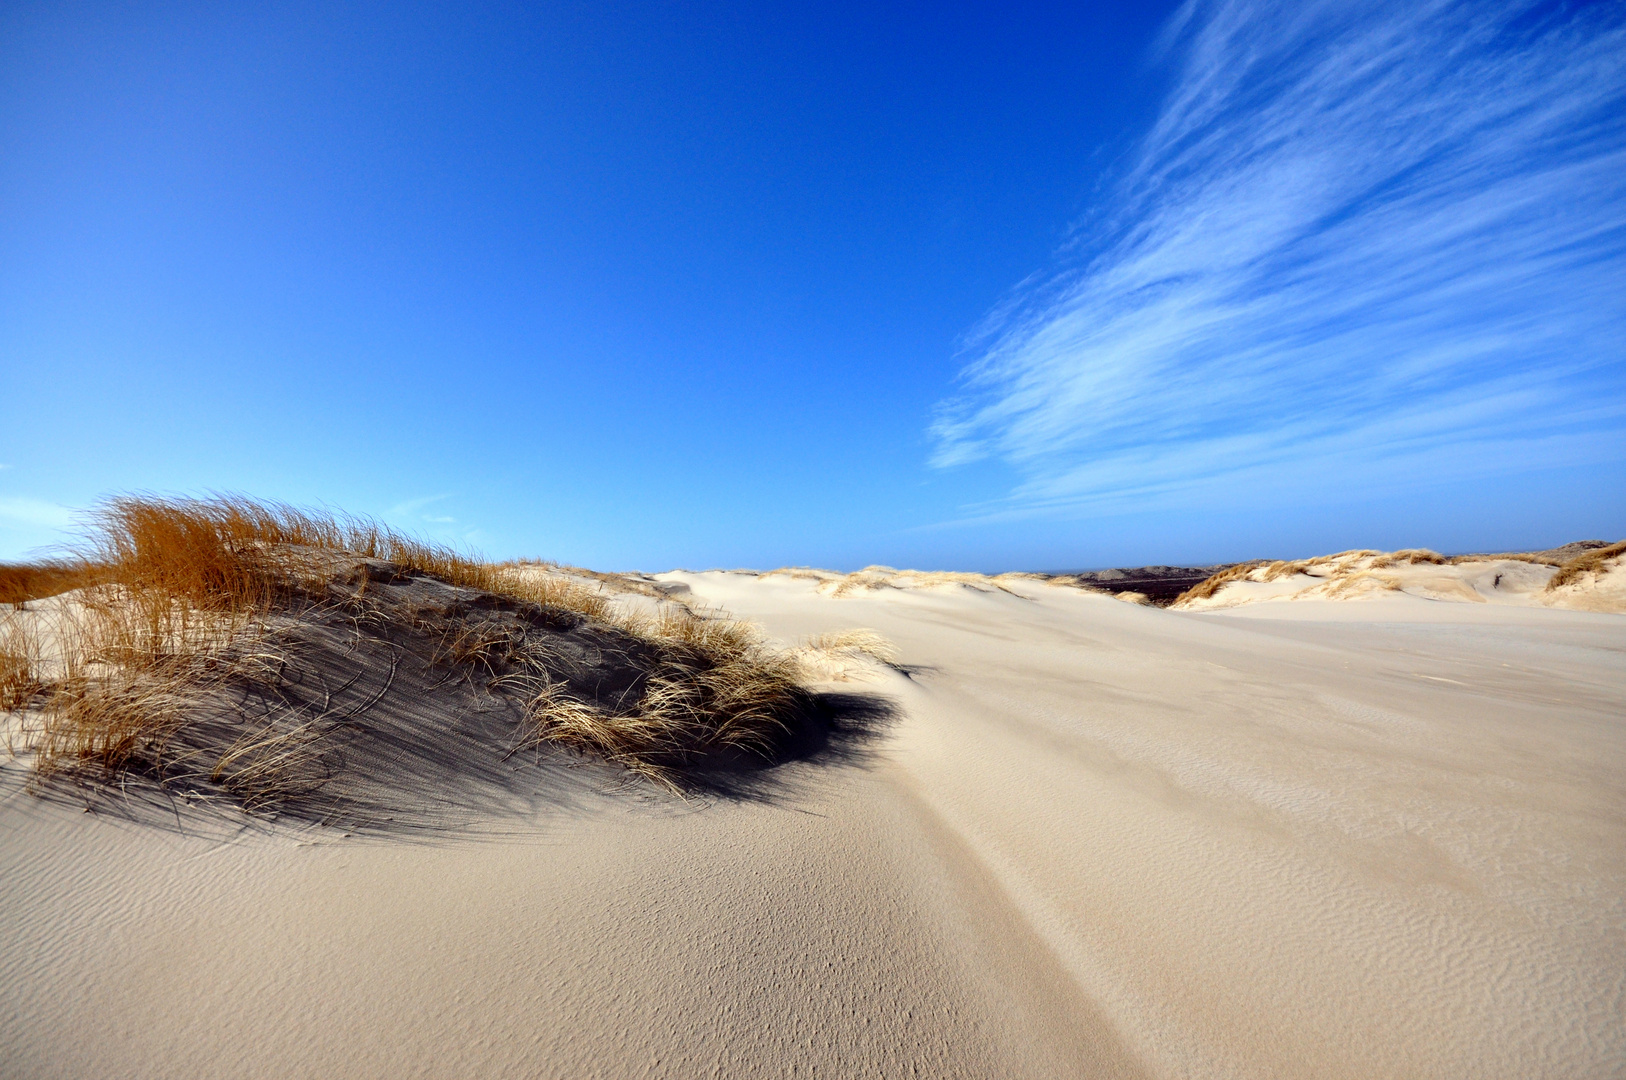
<point x="1585" y="576"/>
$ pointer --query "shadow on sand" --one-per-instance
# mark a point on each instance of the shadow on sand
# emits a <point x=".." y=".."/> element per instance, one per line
<point x="370" y="736"/>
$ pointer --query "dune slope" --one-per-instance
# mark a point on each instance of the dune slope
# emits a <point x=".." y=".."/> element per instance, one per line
<point x="1099" y="840"/>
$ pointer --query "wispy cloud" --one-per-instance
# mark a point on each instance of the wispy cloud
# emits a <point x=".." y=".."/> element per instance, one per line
<point x="36" y="513"/>
<point x="416" y="512"/>
<point x="1361" y="243"/>
<point x="413" y="508"/>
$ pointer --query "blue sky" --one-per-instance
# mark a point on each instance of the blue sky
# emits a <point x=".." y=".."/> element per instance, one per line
<point x="983" y="287"/>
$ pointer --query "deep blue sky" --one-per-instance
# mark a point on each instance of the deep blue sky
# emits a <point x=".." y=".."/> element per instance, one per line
<point x="990" y="287"/>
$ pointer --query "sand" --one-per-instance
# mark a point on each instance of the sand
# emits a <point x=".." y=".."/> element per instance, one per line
<point x="1384" y="837"/>
<point x="1370" y="575"/>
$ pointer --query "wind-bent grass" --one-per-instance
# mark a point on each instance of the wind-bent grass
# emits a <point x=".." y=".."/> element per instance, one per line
<point x="1409" y="557"/>
<point x="27" y="582"/>
<point x="1215" y="582"/>
<point x="860" y="643"/>
<point x="1590" y="561"/>
<point x="105" y="657"/>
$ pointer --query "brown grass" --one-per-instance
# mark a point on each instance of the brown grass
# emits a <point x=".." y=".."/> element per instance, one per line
<point x="1590" y="561"/>
<point x="715" y="686"/>
<point x="20" y="664"/>
<point x="1280" y="569"/>
<point x="1509" y="556"/>
<point x="20" y="582"/>
<point x="1409" y="557"/>
<point x="1212" y="584"/>
<point x="106" y="655"/>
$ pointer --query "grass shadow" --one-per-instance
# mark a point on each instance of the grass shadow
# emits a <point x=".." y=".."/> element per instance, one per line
<point x="363" y="728"/>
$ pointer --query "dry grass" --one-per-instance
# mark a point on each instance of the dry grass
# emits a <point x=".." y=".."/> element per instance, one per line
<point x="1359" y="582"/>
<point x="1509" y="556"/>
<point x="873" y="578"/>
<point x="634" y="584"/>
<point x="19" y="583"/>
<point x="1213" y="584"/>
<point x="1409" y="557"/>
<point x="714" y="686"/>
<point x="20" y="666"/>
<point x="846" y="656"/>
<point x="107" y="656"/>
<point x="1276" y="570"/>
<point x="860" y="643"/>
<point x="1353" y="570"/>
<point x="1587" y="562"/>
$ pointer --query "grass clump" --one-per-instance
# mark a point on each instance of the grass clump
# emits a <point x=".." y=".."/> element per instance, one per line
<point x="1409" y="557"/>
<point x="20" y="583"/>
<point x="229" y="640"/>
<point x="1587" y="562"/>
<point x="1215" y="582"/>
<point x="709" y="686"/>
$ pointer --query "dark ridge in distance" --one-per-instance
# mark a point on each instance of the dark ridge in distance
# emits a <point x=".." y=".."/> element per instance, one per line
<point x="1159" y="584"/>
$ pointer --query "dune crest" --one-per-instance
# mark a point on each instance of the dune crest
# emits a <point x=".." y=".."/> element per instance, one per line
<point x="1588" y="576"/>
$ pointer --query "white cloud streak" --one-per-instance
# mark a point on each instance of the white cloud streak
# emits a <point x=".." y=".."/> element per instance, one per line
<point x="35" y="513"/>
<point x="1360" y="244"/>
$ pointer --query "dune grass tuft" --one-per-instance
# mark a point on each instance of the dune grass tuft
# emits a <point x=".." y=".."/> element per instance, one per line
<point x="23" y="582"/>
<point x="106" y="657"/>
<point x="859" y="643"/>
<point x="1409" y="557"/>
<point x="1215" y="582"/>
<point x="1587" y="562"/>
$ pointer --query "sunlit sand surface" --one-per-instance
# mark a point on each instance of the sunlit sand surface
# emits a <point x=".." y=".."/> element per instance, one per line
<point x="1373" y="836"/>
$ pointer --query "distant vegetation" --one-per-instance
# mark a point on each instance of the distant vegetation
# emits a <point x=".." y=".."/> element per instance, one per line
<point x="1587" y="561"/>
<point x="1349" y="568"/>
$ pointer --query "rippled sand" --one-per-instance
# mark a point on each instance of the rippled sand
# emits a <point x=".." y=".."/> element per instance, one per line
<point x="1319" y="839"/>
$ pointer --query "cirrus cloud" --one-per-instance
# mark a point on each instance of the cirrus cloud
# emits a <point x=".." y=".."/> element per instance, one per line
<point x="1361" y="244"/>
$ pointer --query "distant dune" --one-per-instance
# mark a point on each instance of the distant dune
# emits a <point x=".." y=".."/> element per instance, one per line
<point x="1356" y="816"/>
<point x="1589" y="575"/>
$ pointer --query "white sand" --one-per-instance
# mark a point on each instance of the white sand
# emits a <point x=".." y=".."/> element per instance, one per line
<point x="1315" y="839"/>
<point x="1366" y="575"/>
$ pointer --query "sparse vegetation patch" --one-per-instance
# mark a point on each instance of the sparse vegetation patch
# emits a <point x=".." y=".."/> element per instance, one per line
<point x="327" y="666"/>
<point x="1587" y="562"/>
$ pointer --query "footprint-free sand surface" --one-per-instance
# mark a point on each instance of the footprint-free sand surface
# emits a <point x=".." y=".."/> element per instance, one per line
<point x="1381" y="837"/>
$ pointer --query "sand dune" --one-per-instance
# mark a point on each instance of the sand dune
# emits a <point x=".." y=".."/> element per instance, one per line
<point x="1593" y="578"/>
<point x="1308" y="839"/>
